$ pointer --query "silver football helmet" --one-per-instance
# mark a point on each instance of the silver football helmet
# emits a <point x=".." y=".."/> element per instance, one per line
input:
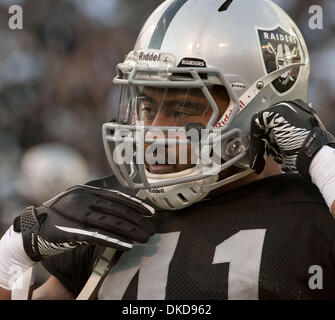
<point x="251" y="48"/>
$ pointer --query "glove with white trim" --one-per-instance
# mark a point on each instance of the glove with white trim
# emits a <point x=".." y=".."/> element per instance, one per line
<point x="84" y="215"/>
<point x="291" y="132"/>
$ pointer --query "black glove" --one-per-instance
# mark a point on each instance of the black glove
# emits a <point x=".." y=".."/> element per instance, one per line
<point x="84" y="215"/>
<point x="291" y="132"/>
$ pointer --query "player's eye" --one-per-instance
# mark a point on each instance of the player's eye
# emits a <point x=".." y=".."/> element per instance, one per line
<point x="182" y="113"/>
<point x="148" y="111"/>
<point x="188" y="110"/>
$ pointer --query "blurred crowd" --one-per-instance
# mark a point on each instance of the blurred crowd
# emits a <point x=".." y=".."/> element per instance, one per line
<point x="56" y="88"/>
<point x="56" y="91"/>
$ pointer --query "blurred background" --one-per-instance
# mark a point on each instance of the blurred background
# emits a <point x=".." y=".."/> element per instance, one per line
<point x="56" y="88"/>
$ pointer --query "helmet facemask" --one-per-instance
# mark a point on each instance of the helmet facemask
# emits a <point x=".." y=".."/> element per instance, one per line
<point x="173" y="118"/>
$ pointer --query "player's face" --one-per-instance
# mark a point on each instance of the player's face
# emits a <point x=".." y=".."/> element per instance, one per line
<point x="177" y="107"/>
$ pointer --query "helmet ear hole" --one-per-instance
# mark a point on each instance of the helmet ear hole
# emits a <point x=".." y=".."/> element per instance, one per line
<point x="181" y="197"/>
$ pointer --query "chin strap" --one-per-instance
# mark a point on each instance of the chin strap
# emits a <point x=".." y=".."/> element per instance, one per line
<point x="102" y="267"/>
<point x="100" y="271"/>
<point x="224" y="182"/>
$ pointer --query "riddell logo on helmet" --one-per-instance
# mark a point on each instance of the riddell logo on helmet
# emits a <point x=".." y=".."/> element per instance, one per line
<point x="156" y="190"/>
<point x="150" y="56"/>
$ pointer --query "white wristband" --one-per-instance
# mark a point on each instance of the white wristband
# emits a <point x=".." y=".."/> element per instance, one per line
<point x="322" y="171"/>
<point x="13" y="259"/>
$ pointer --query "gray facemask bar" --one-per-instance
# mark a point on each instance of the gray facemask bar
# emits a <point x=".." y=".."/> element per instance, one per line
<point x="120" y="171"/>
<point x="196" y="83"/>
<point x="126" y="178"/>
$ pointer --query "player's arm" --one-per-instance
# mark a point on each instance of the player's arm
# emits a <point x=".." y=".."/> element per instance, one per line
<point x="81" y="215"/>
<point x="52" y="289"/>
<point x="5" y="294"/>
<point x="322" y="173"/>
<point x="293" y="134"/>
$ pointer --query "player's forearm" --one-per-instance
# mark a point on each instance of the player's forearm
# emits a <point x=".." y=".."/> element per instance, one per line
<point x="5" y="294"/>
<point x="322" y="172"/>
<point x="52" y="289"/>
<point x="14" y="262"/>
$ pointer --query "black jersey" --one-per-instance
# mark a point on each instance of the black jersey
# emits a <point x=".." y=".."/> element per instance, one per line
<point x="261" y="241"/>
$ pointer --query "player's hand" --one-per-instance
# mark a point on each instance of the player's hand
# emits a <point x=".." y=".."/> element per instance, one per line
<point x="84" y="215"/>
<point x="291" y="132"/>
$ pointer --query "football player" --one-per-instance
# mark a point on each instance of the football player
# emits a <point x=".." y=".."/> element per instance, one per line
<point x="223" y="85"/>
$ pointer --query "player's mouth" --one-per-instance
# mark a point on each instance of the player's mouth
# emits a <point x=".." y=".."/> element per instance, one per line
<point x="161" y="168"/>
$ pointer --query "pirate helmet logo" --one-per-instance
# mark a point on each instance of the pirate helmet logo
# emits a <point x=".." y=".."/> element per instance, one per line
<point x="280" y="49"/>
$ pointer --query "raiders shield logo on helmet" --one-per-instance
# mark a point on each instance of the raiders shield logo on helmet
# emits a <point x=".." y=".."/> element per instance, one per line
<point x="280" y="49"/>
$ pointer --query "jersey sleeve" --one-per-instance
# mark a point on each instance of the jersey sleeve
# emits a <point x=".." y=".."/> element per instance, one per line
<point x="72" y="268"/>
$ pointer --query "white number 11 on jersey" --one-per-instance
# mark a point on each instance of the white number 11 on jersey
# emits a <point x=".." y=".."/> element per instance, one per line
<point x="243" y="252"/>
